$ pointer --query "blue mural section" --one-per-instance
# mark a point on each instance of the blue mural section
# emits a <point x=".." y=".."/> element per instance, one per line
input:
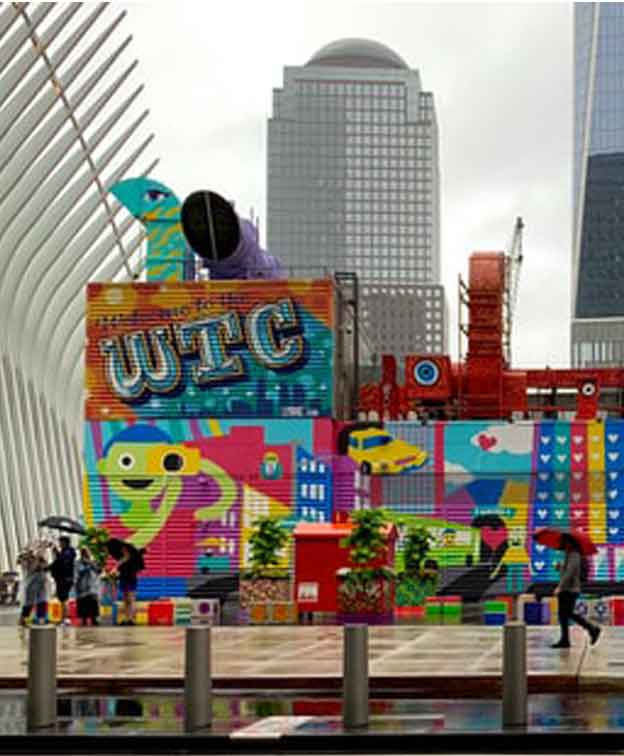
<point x="314" y="494"/>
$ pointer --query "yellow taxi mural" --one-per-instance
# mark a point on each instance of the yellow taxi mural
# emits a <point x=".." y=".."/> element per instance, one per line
<point x="377" y="452"/>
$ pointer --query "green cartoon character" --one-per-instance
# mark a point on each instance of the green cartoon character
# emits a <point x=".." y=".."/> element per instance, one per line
<point x="142" y="465"/>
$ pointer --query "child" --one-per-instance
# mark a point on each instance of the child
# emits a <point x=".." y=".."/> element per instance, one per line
<point x="86" y="584"/>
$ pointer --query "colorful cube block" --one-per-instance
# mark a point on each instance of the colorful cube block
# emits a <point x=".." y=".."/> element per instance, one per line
<point x="161" y="613"/>
<point x="55" y="614"/>
<point x="258" y="614"/>
<point x="495" y="618"/>
<point x="283" y="612"/>
<point x="206" y="612"/>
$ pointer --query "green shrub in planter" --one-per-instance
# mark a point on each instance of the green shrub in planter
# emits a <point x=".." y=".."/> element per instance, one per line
<point x="95" y="540"/>
<point x="419" y="577"/>
<point x="364" y="589"/>
<point x="265" y="581"/>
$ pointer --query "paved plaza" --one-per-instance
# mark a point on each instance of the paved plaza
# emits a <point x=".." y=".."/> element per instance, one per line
<point x="457" y="661"/>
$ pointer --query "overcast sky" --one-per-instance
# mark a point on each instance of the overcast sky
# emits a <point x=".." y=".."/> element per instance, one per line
<point x="501" y="75"/>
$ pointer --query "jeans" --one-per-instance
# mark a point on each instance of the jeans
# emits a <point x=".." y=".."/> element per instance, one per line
<point x="566" y="613"/>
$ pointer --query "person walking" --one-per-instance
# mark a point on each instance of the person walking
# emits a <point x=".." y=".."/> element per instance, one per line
<point x="62" y="570"/>
<point x="86" y="582"/>
<point x="567" y="593"/>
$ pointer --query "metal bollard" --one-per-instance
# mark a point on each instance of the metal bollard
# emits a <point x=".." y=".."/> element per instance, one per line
<point x="197" y="679"/>
<point x="515" y="695"/>
<point x="41" y="700"/>
<point x="355" y="676"/>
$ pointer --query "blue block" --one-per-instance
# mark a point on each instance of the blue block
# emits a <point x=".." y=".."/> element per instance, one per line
<point x="495" y="619"/>
<point x="533" y="613"/>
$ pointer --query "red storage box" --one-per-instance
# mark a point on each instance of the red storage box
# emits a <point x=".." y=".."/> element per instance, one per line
<point x="319" y="554"/>
<point x="161" y="613"/>
<point x="450" y="599"/>
<point x="617" y="610"/>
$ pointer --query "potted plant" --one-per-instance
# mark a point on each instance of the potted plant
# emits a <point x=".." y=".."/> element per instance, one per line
<point x="365" y="588"/>
<point x="266" y="581"/>
<point x="419" y="577"/>
<point x="95" y="540"/>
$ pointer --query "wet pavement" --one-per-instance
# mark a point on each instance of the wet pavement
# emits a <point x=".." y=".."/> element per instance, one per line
<point x="311" y="656"/>
<point x="163" y="714"/>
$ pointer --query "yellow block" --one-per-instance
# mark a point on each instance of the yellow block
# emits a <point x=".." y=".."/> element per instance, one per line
<point x="55" y="613"/>
<point x="595" y="447"/>
<point x="121" y="616"/>
<point x="141" y="618"/>
<point x="554" y="615"/>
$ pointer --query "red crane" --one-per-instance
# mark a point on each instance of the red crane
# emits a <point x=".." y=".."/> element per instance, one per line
<point x="484" y="385"/>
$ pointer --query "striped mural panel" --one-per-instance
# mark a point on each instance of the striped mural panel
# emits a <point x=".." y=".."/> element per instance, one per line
<point x="211" y="349"/>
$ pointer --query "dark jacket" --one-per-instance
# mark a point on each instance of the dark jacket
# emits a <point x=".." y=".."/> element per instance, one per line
<point x="62" y="568"/>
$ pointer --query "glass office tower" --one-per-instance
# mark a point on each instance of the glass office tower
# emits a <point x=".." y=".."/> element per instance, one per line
<point x="598" y="184"/>
<point x="353" y="182"/>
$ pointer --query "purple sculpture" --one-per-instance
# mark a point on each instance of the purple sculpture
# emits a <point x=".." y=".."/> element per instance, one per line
<point x="227" y="244"/>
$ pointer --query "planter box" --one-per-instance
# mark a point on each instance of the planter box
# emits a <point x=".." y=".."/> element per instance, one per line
<point x="365" y="618"/>
<point x="376" y="599"/>
<point x="264" y="590"/>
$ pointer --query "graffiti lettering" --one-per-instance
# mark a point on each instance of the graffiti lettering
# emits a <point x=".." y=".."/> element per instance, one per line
<point x="143" y="362"/>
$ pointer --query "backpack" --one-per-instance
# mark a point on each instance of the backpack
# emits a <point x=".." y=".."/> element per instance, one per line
<point x="585" y="569"/>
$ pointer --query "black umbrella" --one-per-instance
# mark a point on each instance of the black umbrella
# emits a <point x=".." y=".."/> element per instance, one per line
<point x="64" y="524"/>
<point x="115" y="545"/>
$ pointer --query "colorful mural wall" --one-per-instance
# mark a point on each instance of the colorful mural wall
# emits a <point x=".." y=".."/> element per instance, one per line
<point x="212" y="403"/>
<point x="486" y="487"/>
<point x="214" y="348"/>
<point x="190" y="490"/>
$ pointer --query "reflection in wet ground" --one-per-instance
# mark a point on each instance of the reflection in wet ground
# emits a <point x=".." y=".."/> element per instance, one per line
<point x="161" y="714"/>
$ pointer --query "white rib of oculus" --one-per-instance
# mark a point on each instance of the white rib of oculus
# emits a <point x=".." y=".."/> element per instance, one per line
<point x="71" y="125"/>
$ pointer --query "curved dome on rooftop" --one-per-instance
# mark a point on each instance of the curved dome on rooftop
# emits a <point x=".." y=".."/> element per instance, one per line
<point x="357" y="53"/>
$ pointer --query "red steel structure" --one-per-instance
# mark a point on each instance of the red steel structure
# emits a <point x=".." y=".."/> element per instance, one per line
<point x="484" y="385"/>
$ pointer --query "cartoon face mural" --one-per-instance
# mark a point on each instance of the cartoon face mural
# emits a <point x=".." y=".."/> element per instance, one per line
<point x="190" y="491"/>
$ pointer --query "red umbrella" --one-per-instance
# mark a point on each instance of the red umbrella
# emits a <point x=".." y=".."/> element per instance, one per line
<point x="551" y="537"/>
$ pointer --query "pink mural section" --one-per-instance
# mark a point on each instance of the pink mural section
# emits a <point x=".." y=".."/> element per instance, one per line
<point x="189" y="491"/>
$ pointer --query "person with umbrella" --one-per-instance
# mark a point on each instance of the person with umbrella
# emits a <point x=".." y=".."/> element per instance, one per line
<point x="577" y="548"/>
<point x="130" y="563"/>
<point x="62" y="570"/>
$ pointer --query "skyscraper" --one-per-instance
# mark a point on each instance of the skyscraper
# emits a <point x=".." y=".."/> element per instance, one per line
<point x="353" y="181"/>
<point x="598" y="184"/>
